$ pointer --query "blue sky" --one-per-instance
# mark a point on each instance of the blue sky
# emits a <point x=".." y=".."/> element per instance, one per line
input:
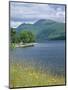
<point x="31" y="12"/>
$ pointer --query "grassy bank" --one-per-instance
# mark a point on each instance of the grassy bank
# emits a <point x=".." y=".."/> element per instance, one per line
<point x="22" y="75"/>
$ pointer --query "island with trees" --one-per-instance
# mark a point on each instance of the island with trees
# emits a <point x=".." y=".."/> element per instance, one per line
<point x="22" y="39"/>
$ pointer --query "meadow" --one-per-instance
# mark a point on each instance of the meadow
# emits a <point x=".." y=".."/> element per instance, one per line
<point x="25" y="75"/>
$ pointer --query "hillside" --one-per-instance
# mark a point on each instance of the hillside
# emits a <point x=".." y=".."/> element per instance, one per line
<point x="45" y="30"/>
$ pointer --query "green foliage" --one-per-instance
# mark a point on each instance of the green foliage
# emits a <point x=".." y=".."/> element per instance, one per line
<point x="23" y="36"/>
<point x="27" y="36"/>
<point x="12" y="45"/>
<point x="17" y="40"/>
<point x="13" y="35"/>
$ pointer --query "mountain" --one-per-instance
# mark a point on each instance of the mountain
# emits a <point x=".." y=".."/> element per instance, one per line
<point x="45" y="30"/>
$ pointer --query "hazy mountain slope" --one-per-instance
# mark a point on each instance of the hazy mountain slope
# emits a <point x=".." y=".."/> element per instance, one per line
<point x="45" y="29"/>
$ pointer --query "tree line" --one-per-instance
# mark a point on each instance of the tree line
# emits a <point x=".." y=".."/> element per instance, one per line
<point x="22" y="36"/>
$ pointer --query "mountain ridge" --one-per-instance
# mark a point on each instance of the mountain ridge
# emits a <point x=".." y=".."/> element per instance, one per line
<point x="45" y="29"/>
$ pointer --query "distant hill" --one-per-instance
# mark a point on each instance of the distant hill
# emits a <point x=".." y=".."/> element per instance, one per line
<point x="45" y="30"/>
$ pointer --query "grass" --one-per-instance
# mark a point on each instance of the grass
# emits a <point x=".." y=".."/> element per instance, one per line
<point x="12" y="45"/>
<point x="23" y="75"/>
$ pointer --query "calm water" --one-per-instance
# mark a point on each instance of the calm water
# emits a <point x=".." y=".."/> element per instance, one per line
<point x="49" y="55"/>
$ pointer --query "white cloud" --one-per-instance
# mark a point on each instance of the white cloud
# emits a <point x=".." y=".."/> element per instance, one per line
<point x="15" y="24"/>
<point x="27" y="12"/>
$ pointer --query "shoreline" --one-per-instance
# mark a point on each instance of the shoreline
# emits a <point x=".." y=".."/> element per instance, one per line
<point x="15" y="45"/>
<point x="25" y="45"/>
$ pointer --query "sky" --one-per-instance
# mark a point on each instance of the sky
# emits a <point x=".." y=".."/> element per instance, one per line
<point x="32" y="12"/>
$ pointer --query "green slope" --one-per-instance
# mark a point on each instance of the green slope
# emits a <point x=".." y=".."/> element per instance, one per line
<point x="45" y="30"/>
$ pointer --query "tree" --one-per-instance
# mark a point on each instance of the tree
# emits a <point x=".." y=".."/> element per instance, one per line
<point x="27" y="36"/>
<point x="15" y="38"/>
<point x="13" y="35"/>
